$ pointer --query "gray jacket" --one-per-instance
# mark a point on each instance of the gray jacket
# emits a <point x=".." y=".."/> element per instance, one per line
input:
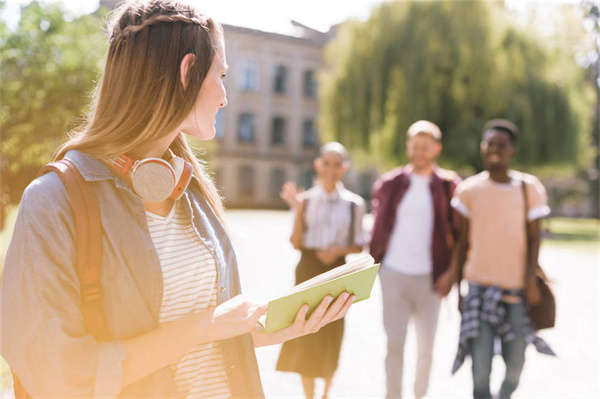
<point x="43" y="336"/>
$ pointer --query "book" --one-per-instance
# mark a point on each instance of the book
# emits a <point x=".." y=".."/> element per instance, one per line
<point x="356" y="277"/>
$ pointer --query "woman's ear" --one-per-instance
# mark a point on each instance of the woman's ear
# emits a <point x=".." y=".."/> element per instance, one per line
<point x="187" y="62"/>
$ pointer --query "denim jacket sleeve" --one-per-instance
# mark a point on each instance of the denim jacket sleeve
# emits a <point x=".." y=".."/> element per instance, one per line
<point x="43" y="335"/>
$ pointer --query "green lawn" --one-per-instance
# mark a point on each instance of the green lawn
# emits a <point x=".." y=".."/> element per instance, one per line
<point x="574" y="234"/>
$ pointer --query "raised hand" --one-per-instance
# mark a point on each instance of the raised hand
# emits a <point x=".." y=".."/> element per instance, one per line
<point x="290" y="194"/>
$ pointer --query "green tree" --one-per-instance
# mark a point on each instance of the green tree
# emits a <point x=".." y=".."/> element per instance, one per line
<point x="49" y="67"/>
<point x="457" y="64"/>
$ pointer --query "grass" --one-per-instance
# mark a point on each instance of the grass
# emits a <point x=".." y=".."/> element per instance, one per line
<point x="574" y="234"/>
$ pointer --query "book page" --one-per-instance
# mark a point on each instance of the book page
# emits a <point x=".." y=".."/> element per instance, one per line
<point x="356" y="265"/>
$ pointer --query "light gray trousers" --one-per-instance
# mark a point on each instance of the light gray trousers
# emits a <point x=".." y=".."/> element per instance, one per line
<point x="404" y="297"/>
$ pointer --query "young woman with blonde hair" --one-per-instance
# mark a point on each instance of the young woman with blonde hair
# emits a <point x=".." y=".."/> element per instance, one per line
<point x="176" y="324"/>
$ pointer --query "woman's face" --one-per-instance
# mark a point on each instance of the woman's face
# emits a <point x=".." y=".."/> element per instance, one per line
<point x="330" y="167"/>
<point x="200" y="123"/>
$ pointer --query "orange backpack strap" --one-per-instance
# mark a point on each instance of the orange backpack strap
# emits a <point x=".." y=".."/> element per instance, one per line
<point x="88" y="229"/>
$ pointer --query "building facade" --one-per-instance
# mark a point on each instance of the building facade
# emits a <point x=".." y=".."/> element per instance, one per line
<point x="267" y="134"/>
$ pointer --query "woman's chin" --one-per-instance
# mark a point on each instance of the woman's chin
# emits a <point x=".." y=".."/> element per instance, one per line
<point x="204" y="134"/>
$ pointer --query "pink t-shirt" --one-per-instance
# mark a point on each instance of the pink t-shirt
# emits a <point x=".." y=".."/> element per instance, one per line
<point x="497" y="237"/>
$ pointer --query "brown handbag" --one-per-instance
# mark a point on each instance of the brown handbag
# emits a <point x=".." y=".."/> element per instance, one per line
<point x="88" y="230"/>
<point x="542" y="315"/>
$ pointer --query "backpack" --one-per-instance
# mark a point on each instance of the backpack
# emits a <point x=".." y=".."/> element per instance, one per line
<point x="88" y="233"/>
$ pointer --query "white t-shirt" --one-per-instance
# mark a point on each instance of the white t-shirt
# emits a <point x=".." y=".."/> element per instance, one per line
<point x="190" y="286"/>
<point x="409" y="249"/>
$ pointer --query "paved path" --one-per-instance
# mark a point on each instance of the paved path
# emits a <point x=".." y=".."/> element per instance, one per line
<point x="267" y="262"/>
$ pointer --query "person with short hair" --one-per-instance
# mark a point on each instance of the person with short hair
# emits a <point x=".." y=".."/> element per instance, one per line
<point x="412" y="238"/>
<point x="496" y="225"/>
<point x="327" y="227"/>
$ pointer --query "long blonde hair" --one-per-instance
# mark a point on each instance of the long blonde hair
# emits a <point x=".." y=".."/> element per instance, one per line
<point x="139" y="97"/>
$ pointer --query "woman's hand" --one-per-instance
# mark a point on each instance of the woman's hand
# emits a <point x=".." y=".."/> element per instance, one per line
<point x="321" y="316"/>
<point x="237" y="316"/>
<point x="330" y="254"/>
<point x="291" y="195"/>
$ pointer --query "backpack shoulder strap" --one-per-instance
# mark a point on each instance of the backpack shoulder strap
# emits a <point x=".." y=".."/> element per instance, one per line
<point x="88" y="229"/>
<point x="352" y="223"/>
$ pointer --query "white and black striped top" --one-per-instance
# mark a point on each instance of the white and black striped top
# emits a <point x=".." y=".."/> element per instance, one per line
<point x="190" y="285"/>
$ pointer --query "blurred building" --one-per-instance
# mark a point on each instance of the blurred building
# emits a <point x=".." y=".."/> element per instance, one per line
<point x="267" y="134"/>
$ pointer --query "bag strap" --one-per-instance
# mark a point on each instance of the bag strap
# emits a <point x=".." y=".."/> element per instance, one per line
<point x="88" y="229"/>
<point x="352" y="221"/>
<point x="528" y="266"/>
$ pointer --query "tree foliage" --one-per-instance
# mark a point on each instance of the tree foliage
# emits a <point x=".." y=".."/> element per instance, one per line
<point x="49" y="67"/>
<point x="457" y="64"/>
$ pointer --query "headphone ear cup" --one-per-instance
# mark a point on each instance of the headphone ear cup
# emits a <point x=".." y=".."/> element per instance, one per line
<point x="178" y="164"/>
<point x="183" y="175"/>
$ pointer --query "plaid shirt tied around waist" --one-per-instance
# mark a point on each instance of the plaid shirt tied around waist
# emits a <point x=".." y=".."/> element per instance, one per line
<point x="485" y="304"/>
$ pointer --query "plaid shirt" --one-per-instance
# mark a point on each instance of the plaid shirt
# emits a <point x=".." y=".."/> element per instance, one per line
<point x="485" y="304"/>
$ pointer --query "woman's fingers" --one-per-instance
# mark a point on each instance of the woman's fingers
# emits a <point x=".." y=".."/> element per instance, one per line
<point x="345" y="308"/>
<point x="335" y="308"/>
<point x="316" y="316"/>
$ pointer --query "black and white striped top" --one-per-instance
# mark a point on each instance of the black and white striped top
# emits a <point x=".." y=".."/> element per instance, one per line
<point x="190" y="286"/>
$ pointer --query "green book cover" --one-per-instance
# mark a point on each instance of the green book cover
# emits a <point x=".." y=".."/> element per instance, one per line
<point x="282" y="311"/>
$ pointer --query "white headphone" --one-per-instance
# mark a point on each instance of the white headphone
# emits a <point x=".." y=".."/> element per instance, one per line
<point x="155" y="179"/>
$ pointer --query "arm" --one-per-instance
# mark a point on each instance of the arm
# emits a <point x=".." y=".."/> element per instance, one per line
<point x="298" y="231"/>
<point x="154" y="350"/>
<point x="43" y="334"/>
<point x="532" y="291"/>
<point x="459" y="256"/>
<point x="377" y="241"/>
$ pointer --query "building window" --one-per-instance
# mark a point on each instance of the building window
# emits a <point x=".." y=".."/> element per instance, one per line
<point x="278" y="131"/>
<point x="277" y="181"/>
<point x="280" y="80"/>
<point x="310" y="84"/>
<point x="246" y="128"/>
<point x="309" y="135"/>
<point x="249" y="75"/>
<point x="308" y="178"/>
<point x="220" y="124"/>
<point x="246" y="181"/>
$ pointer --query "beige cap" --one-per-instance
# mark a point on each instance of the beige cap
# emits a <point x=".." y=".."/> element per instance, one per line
<point x="425" y="127"/>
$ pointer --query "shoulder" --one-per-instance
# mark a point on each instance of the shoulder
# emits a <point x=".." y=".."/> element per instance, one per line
<point x="389" y="179"/>
<point x="45" y="192"/>
<point x="447" y="174"/>
<point x="310" y="193"/>
<point x="529" y="179"/>
<point x="351" y="197"/>
<point x="473" y="183"/>
<point x="533" y="184"/>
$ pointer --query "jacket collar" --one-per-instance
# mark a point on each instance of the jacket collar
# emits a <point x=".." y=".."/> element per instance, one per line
<point x="92" y="169"/>
<point x="329" y="197"/>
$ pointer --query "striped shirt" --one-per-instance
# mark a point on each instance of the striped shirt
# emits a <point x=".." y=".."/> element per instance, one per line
<point x="327" y="218"/>
<point x="190" y="286"/>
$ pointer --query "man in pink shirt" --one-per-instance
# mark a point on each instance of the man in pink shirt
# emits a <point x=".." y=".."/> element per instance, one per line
<point x="500" y="220"/>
